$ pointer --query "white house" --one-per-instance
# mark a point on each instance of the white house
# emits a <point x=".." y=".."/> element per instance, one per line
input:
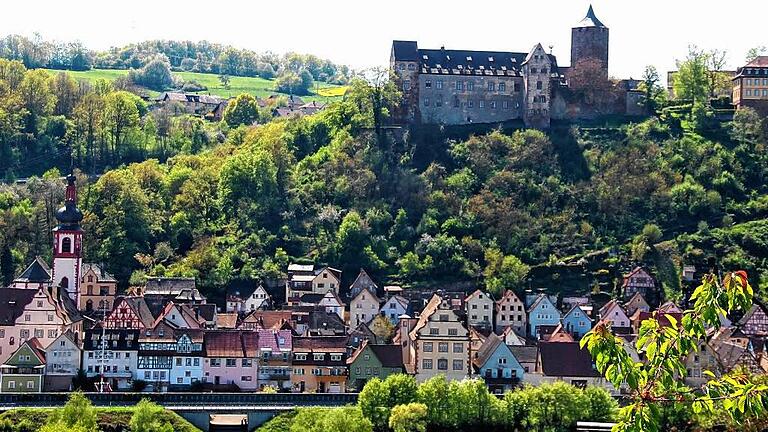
<point x="394" y="307"/>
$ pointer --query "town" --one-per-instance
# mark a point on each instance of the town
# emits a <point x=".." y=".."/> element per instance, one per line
<point x="67" y="322"/>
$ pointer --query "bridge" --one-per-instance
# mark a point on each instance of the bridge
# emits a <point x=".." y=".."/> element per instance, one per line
<point x="197" y="408"/>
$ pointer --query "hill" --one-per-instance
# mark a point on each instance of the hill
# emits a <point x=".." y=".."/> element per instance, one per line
<point x="259" y="87"/>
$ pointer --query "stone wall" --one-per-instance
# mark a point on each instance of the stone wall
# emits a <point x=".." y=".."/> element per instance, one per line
<point x="589" y="43"/>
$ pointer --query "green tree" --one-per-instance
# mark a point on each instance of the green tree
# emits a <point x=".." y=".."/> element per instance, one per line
<point x="383" y="328"/>
<point x="346" y="419"/>
<point x="77" y="414"/>
<point x="754" y="53"/>
<point x="410" y="417"/>
<point x="692" y="78"/>
<point x="655" y="384"/>
<point x="121" y="116"/>
<point x="503" y="272"/>
<point x="146" y="418"/>
<point x="244" y="110"/>
<point x="156" y="74"/>
<point x="35" y="93"/>
<point x="653" y="92"/>
<point x="248" y="187"/>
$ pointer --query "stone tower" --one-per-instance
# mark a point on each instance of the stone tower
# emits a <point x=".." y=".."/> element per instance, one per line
<point x="68" y="245"/>
<point x="537" y="72"/>
<point x="589" y="42"/>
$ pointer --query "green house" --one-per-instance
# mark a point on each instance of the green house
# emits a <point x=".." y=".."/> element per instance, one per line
<point x="24" y="370"/>
<point x="370" y="361"/>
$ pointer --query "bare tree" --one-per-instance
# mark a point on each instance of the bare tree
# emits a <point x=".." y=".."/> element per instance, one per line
<point x="718" y="79"/>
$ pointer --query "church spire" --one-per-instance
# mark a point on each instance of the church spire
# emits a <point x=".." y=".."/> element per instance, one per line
<point x="70" y="215"/>
<point x="590" y="20"/>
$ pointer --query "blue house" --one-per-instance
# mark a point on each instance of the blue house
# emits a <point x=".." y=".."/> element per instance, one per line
<point x="577" y="322"/>
<point x="496" y="364"/>
<point x="542" y="313"/>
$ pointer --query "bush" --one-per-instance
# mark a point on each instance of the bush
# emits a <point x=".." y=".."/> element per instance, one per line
<point x="410" y="417"/>
<point x="193" y="86"/>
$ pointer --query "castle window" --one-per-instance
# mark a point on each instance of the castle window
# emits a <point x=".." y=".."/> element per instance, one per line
<point x="411" y="66"/>
<point x="493" y="104"/>
<point x="505" y="104"/>
<point x="406" y="85"/>
<point x="533" y="70"/>
<point x="426" y="101"/>
<point x="470" y="85"/>
<point x="427" y="84"/>
<point x="459" y="86"/>
<point x="491" y="86"/>
<point x="66" y="245"/>
<point x="539" y="85"/>
<point x="439" y="84"/>
<point x="543" y="70"/>
<point x="502" y="87"/>
<point x="401" y="66"/>
<point x="749" y="92"/>
<point x="481" y="104"/>
<point x="517" y="87"/>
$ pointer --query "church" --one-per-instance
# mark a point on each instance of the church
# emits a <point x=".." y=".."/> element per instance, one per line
<point x="457" y="87"/>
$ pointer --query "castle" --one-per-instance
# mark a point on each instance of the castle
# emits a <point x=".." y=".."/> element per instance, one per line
<point x="458" y="87"/>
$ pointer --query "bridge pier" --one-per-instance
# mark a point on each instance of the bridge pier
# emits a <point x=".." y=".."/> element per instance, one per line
<point x="200" y="417"/>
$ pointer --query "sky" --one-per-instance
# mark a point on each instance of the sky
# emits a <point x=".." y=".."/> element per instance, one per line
<point x="360" y="33"/>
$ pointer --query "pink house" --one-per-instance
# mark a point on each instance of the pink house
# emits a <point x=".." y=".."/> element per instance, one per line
<point x="231" y="359"/>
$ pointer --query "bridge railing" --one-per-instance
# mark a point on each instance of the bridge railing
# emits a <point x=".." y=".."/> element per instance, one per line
<point x="185" y="398"/>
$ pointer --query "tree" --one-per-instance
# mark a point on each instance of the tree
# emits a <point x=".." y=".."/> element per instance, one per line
<point x="121" y="115"/>
<point x="655" y="384"/>
<point x="35" y="93"/>
<point x="503" y="272"/>
<point x="146" y="418"/>
<point x="65" y="89"/>
<point x="410" y="417"/>
<point x="747" y="126"/>
<point x="224" y="79"/>
<point x="77" y="414"/>
<point x="248" y="187"/>
<point x="692" y="78"/>
<point x="244" y="110"/>
<point x="591" y="86"/>
<point x="383" y="328"/>
<point x="156" y="74"/>
<point x="375" y="96"/>
<point x="754" y="53"/>
<point x="652" y="233"/>
<point x="653" y="92"/>
<point x="346" y="419"/>
<point x="719" y="80"/>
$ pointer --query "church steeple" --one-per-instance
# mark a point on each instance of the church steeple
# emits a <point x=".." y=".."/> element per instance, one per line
<point x="70" y="216"/>
<point x="67" y="244"/>
<point x="590" y="20"/>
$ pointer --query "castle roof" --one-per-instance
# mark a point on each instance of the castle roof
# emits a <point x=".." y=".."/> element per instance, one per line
<point x="37" y="271"/>
<point x="405" y="50"/>
<point x="590" y="20"/>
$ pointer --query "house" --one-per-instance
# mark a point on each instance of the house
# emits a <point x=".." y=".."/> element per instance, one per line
<point x="36" y="275"/>
<point x="510" y="312"/>
<point x="111" y="353"/>
<point x="41" y="313"/>
<point x="24" y="370"/>
<point x="577" y="322"/>
<point x="156" y="350"/>
<point x="613" y="313"/>
<point x="331" y="302"/>
<point x="363" y="308"/>
<point x="63" y="361"/>
<point x="226" y="321"/>
<point x="559" y="334"/>
<point x="360" y="334"/>
<point x="479" y="308"/>
<point x="699" y="361"/>
<point x="319" y="364"/>
<point x="187" y="352"/>
<point x="235" y="303"/>
<point x="129" y="313"/>
<point x="320" y="322"/>
<point x="230" y="359"/>
<point x="750" y="86"/>
<point x="362" y="282"/>
<point x="511" y="338"/>
<point x="393" y="308"/>
<point x="99" y="289"/>
<point x="177" y="289"/>
<point x="305" y="278"/>
<point x="373" y="361"/>
<point x="190" y="103"/>
<point x="274" y="357"/>
<point x="755" y="321"/>
<point x="267" y="319"/>
<point x="527" y="356"/>
<point x="259" y="299"/>
<point x="440" y="342"/>
<point x="542" y="313"/>
<point x="688" y="273"/>
<point x="568" y="362"/>
<point x="636" y="303"/>
<point x="497" y="365"/>
<point x="637" y="281"/>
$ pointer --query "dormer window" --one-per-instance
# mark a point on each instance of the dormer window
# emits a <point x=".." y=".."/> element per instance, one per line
<point x="469" y="58"/>
<point x="490" y="59"/>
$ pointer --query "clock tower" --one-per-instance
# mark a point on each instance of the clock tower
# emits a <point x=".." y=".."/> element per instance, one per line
<point x="68" y="245"/>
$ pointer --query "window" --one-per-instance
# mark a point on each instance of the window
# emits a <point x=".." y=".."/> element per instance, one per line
<point x="66" y="245"/>
<point x="539" y="85"/>
<point x="426" y="102"/>
<point x="543" y="70"/>
<point x="411" y="66"/>
<point x="247" y="362"/>
<point x="458" y="365"/>
<point x="246" y="378"/>
<point x="442" y="364"/>
<point x="459" y="85"/>
<point x="502" y="360"/>
<point x="215" y="362"/>
<point x="458" y="347"/>
<point x="491" y="86"/>
<point x="471" y="104"/>
<point x="336" y="357"/>
<point x="27" y="317"/>
<point x="505" y="104"/>
<point x="426" y="364"/>
<point x="231" y="362"/>
<point x="12" y="384"/>
<point x="470" y="85"/>
<point x="455" y="103"/>
<point x="502" y="87"/>
<point x="493" y="104"/>
<point x="427" y="84"/>
<point x="749" y="92"/>
<point x="453" y="332"/>
<point x="178" y="361"/>
<point x="481" y="104"/>
<point x="434" y="331"/>
<point x="534" y="70"/>
<point x="319" y="356"/>
<point x="442" y="347"/>
<point x="427" y="346"/>
<point x="439" y="84"/>
<point x="406" y="85"/>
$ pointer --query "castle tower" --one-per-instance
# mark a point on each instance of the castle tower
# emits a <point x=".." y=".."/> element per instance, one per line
<point x="537" y="73"/>
<point x="589" y="42"/>
<point x="67" y="245"/>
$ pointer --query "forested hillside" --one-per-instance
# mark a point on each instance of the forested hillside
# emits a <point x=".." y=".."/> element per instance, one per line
<point x="423" y="206"/>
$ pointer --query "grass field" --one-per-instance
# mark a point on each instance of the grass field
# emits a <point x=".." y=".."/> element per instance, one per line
<point x="258" y="87"/>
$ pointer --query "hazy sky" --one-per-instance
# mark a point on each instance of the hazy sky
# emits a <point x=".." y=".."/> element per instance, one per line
<point x="360" y="33"/>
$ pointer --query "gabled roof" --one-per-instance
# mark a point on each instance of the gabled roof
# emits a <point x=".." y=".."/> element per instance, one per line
<point x="565" y="359"/>
<point x="223" y="344"/>
<point x="139" y="307"/>
<point x="269" y="319"/>
<point x="476" y="294"/>
<point x="34" y="346"/>
<point x="226" y="321"/>
<point x="509" y="332"/>
<point x="638" y="299"/>
<point x="400" y="300"/>
<point x="759" y="61"/>
<point x="100" y="272"/>
<point x="363" y="281"/>
<point x="36" y="271"/>
<point x="525" y="353"/>
<point x="12" y="303"/>
<point x="590" y="20"/>
<point x="540" y="299"/>
<point x="755" y="309"/>
<point x="320" y="344"/>
<point x="608" y="307"/>
<point x="559" y="335"/>
<point x="311" y="298"/>
<point x="271" y="339"/>
<point x="669" y="307"/>
<point x="428" y="310"/>
<point x="492" y="342"/>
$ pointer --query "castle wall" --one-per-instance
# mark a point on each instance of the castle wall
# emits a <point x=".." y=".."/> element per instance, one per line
<point x="589" y="43"/>
<point x="475" y="99"/>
